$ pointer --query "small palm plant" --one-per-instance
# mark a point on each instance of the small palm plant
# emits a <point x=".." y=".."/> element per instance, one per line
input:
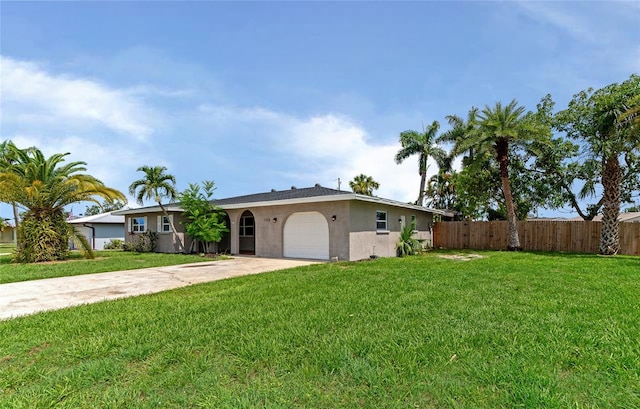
<point x="407" y="244"/>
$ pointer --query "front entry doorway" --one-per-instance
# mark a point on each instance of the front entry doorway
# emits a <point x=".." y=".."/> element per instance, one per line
<point x="247" y="233"/>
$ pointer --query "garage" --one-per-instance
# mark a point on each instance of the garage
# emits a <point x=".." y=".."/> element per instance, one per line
<point x="306" y="235"/>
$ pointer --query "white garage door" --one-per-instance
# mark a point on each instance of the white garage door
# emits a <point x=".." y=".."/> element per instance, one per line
<point x="306" y="235"/>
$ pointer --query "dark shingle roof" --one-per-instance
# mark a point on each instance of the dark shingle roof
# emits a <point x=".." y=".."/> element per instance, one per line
<point x="281" y="195"/>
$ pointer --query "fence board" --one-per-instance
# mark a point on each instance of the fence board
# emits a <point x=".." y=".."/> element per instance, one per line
<point x="567" y="236"/>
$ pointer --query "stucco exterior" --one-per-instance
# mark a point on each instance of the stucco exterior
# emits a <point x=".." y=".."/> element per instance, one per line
<point x="167" y="241"/>
<point x="365" y="240"/>
<point x="269" y="234"/>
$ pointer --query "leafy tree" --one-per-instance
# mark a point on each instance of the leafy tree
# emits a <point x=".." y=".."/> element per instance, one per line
<point x="424" y="145"/>
<point x="156" y="185"/>
<point x="492" y="133"/>
<point x="44" y="186"/>
<point x="7" y="149"/>
<point x="631" y="116"/>
<point x="105" y="207"/>
<point x="205" y="221"/>
<point x="604" y="126"/>
<point x="364" y="185"/>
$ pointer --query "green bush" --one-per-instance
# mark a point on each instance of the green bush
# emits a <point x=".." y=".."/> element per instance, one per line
<point x="142" y="243"/>
<point x="407" y="245"/>
<point x="114" y="244"/>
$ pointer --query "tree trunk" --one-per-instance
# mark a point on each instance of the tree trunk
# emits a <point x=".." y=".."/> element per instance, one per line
<point x="502" y="148"/>
<point x="423" y="178"/>
<point x="173" y="228"/>
<point x="611" y="178"/>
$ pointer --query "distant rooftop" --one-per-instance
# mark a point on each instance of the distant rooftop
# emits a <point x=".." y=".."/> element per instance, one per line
<point x="102" y="218"/>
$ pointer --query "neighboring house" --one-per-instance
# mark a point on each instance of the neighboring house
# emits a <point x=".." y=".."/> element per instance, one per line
<point x="314" y="223"/>
<point x="629" y="217"/>
<point x="100" y="229"/>
<point x="8" y="234"/>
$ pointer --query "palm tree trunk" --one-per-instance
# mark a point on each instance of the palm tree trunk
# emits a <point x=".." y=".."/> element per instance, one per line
<point x="611" y="178"/>
<point x="514" y="240"/>
<point x="173" y="228"/>
<point x="423" y="178"/>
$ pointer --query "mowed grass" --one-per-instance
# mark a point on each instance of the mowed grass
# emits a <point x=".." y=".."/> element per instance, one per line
<point x="105" y="261"/>
<point x="508" y="330"/>
<point x="7" y="247"/>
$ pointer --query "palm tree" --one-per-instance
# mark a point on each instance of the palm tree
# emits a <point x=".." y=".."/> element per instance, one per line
<point x="44" y="186"/>
<point x="364" y="185"/>
<point x="495" y="130"/>
<point x="421" y="144"/>
<point x="441" y="190"/>
<point x="460" y="130"/>
<point x="604" y="120"/>
<point x="632" y="116"/>
<point x="156" y="185"/>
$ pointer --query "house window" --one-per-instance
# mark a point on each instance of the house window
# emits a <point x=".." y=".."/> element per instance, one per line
<point x="138" y="224"/>
<point x="163" y="224"/>
<point x="246" y="226"/>
<point x="414" y="222"/>
<point x="381" y="220"/>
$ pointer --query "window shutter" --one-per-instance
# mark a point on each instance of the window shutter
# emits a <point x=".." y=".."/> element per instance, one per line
<point x="159" y="225"/>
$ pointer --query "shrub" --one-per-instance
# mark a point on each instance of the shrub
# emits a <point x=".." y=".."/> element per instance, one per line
<point x="114" y="244"/>
<point x="142" y="243"/>
<point x="407" y="245"/>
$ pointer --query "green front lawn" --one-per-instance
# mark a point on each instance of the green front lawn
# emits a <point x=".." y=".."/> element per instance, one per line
<point x="104" y="261"/>
<point x="7" y="247"/>
<point x="508" y="330"/>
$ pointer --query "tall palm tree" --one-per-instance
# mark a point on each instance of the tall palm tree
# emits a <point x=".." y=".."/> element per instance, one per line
<point x="495" y="130"/>
<point x="364" y="185"/>
<point x="44" y="186"/>
<point x="424" y="145"/>
<point x="156" y="185"/>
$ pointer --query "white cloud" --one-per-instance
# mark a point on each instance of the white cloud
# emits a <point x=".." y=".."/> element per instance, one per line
<point x="112" y="165"/>
<point x="319" y="149"/>
<point x="26" y="87"/>
<point x="571" y="22"/>
<point x="103" y="126"/>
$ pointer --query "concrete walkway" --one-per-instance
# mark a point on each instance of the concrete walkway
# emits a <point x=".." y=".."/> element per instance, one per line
<point x="29" y="297"/>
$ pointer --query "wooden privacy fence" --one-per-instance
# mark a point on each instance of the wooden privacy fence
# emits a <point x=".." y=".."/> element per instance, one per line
<point x="567" y="236"/>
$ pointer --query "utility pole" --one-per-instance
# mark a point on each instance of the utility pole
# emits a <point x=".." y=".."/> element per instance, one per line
<point x="338" y="183"/>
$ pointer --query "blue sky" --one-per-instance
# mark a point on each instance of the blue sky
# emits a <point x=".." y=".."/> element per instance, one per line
<point x="262" y="95"/>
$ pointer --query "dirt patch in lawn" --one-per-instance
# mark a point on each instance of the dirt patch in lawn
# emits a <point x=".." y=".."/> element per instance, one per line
<point x="461" y="257"/>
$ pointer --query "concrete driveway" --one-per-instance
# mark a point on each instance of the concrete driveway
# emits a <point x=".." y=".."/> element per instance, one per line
<point x="29" y="297"/>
